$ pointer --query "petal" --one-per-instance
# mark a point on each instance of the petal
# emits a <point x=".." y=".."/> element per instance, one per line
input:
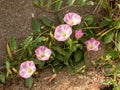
<point x="64" y="29"/>
<point x="72" y="17"/>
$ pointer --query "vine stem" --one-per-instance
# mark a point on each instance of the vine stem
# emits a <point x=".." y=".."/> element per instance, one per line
<point x="54" y="11"/>
<point x="104" y="33"/>
<point x="98" y="6"/>
<point x="91" y="28"/>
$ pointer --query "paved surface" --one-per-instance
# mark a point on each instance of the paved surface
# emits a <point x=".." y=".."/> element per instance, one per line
<point x="15" y="20"/>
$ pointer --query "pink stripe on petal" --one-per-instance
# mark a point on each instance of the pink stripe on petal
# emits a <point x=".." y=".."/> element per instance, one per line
<point x="22" y="73"/>
<point x="24" y="65"/>
<point x="42" y="48"/>
<point x="97" y="43"/>
<point x="92" y="40"/>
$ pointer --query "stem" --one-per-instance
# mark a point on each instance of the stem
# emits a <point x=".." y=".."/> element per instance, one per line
<point x="54" y="11"/>
<point x="106" y="32"/>
<point x="88" y="26"/>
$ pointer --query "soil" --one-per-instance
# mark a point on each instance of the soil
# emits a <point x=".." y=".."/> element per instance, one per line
<point x="15" y="20"/>
<point x="63" y="81"/>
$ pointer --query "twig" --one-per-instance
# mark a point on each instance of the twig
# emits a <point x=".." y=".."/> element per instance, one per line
<point x="98" y="6"/>
<point x="55" y="11"/>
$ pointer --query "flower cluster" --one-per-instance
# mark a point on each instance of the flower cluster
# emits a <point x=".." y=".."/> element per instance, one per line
<point x="62" y="33"/>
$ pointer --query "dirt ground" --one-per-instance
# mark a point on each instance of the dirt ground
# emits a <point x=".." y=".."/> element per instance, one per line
<point x="15" y="20"/>
<point x="63" y="81"/>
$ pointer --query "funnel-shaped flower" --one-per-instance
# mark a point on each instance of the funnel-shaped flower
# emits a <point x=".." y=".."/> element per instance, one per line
<point x="79" y="33"/>
<point x="72" y="19"/>
<point x="62" y="32"/>
<point x="92" y="44"/>
<point x="43" y="53"/>
<point x="27" y="68"/>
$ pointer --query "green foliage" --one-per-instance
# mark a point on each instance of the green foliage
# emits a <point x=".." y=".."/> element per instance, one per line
<point x="90" y="3"/>
<point x="58" y="4"/>
<point x="46" y="21"/>
<point x="70" y="2"/>
<point x="60" y="16"/>
<point x="109" y="37"/>
<point x="48" y="4"/>
<point x="13" y="45"/>
<point x="89" y="19"/>
<point x="27" y="41"/>
<point x="106" y="22"/>
<point x="29" y="82"/>
<point x="82" y="2"/>
<point x="35" y="25"/>
<point x="41" y="2"/>
<point x="2" y="77"/>
<point x="112" y="53"/>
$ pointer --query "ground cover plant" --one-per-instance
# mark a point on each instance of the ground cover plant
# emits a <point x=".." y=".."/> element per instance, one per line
<point x="67" y="44"/>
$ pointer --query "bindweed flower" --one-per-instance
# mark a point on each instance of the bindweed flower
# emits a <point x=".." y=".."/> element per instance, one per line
<point x="92" y="44"/>
<point x="62" y="32"/>
<point x="27" y="68"/>
<point x="43" y="53"/>
<point x="79" y="33"/>
<point x="72" y="19"/>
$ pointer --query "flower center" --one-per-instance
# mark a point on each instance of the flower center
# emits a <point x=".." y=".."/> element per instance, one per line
<point x="71" y="22"/>
<point x="42" y="55"/>
<point x="29" y="70"/>
<point x="64" y="34"/>
<point x="91" y="46"/>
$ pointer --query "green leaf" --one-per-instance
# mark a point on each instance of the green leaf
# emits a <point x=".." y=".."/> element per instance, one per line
<point x="35" y="25"/>
<point x="78" y="55"/>
<point x="58" y="68"/>
<point x="27" y="41"/>
<point x="106" y="82"/>
<point x="39" y="39"/>
<point x="112" y="53"/>
<point x="118" y="46"/>
<point x="60" y="16"/>
<point x="58" y="4"/>
<point x="8" y="68"/>
<point x="70" y="2"/>
<point x="13" y="44"/>
<point x="104" y="4"/>
<point x="118" y="36"/>
<point x="29" y="82"/>
<point x="116" y="24"/>
<point x="89" y="19"/>
<point x="9" y="52"/>
<point x="118" y="70"/>
<point x="39" y="63"/>
<point x="90" y="3"/>
<point x="41" y="3"/>
<point x="46" y="21"/>
<point x="107" y="21"/>
<point x="81" y="2"/>
<point x="71" y="69"/>
<point x="2" y="77"/>
<point x="49" y="4"/>
<point x="60" y="51"/>
<point x="108" y="37"/>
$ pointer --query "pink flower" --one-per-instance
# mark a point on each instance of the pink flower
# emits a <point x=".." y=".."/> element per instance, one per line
<point x="62" y="32"/>
<point x="27" y="68"/>
<point x="92" y="44"/>
<point x="79" y="33"/>
<point x="72" y="19"/>
<point x="43" y="53"/>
